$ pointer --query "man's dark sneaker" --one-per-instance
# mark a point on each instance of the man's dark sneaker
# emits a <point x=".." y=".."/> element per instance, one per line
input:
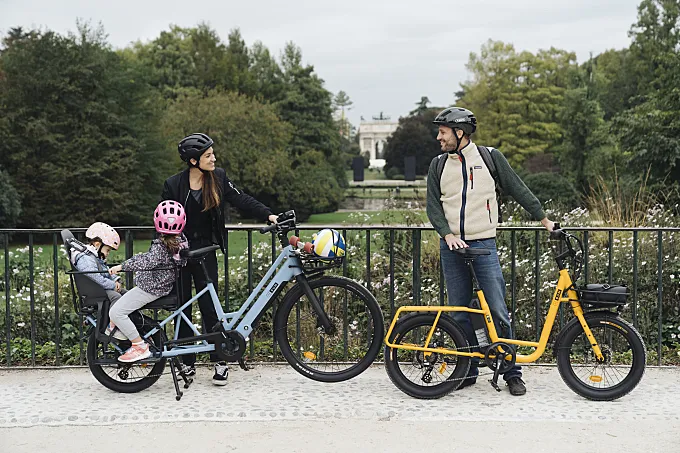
<point x="471" y="379"/>
<point x="516" y="386"/>
<point x="221" y="373"/>
<point x="189" y="370"/>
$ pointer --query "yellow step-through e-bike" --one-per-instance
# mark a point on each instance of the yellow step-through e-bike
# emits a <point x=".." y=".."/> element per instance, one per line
<point x="599" y="355"/>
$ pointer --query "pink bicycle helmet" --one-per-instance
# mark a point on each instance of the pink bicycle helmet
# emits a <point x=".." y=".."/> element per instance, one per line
<point x="169" y="217"/>
<point x="104" y="232"/>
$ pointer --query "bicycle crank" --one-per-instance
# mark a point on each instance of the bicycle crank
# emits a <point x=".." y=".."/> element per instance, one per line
<point x="500" y="358"/>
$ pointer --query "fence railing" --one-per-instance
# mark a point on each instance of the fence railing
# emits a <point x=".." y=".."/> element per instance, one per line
<point x="399" y="264"/>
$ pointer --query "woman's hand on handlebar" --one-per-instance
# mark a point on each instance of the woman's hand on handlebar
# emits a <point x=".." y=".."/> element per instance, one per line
<point x="115" y="269"/>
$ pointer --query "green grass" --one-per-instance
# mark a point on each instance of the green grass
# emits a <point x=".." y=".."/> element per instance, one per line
<point x="368" y="174"/>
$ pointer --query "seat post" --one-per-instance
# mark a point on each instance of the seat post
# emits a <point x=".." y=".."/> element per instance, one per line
<point x="205" y="271"/>
<point x="475" y="282"/>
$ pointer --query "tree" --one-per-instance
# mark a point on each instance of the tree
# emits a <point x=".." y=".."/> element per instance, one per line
<point x="580" y="118"/>
<point x="517" y="98"/>
<point x="83" y="117"/>
<point x="307" y="106"/>
<point x="341" y="101"/>
<point x="266" y="73"/>
<point x="415" y="136"/>
<point x="10" y="202"/>
<point x="238" y="76"/>
<point x="614" y="81"/>
<point x="650" y="131"/>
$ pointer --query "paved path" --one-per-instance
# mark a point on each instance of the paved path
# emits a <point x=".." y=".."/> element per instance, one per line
<point x="39" y="406"/>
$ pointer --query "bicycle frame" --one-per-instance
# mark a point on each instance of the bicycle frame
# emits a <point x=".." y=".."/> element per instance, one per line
<point x="564" y="286"/>
<point x="286" y="267"/>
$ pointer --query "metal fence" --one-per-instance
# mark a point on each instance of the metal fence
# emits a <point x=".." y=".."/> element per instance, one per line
<point x="393" y="246"/>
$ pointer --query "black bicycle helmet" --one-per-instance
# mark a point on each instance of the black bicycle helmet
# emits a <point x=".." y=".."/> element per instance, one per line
<point x="193" y="146"/>
<point x="457" y="117"/>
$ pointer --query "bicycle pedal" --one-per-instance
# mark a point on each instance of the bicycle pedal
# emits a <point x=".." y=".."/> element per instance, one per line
<point x="188" y="382"/>
<point x="494" y="385"/>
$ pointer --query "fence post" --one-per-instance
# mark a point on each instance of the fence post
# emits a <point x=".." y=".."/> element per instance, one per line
<point x="57" y="324"/>
<point x="8" y="314"/>
<point x="660" y="291"/>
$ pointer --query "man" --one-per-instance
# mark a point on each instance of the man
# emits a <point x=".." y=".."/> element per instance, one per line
<point x="462" y="206"/>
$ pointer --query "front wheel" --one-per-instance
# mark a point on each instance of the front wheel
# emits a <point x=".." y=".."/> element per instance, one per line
<point x="351" y="346"/>
<point x="624" y="357"/>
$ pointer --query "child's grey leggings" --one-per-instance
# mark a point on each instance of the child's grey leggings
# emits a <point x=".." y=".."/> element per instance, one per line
<point x="132" y="300"/>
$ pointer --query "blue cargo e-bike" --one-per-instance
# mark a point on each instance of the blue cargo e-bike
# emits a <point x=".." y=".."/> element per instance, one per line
<point x="329" y="328"/>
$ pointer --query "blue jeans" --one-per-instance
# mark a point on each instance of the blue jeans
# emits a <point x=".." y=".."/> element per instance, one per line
<point x="459" y="289"/>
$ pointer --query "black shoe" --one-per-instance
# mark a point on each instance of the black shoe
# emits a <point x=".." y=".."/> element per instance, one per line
<point x="221" y="374"/>
<point x="516" y="386"/>
<point x="471" y="379"/>
<point x="189" y="370"/>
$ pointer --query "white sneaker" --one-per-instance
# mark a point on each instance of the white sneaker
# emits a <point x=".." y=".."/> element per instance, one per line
<point x="221" y="373"/>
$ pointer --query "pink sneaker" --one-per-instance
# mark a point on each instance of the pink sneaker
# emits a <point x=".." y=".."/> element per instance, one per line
<point x="135" y="353"/>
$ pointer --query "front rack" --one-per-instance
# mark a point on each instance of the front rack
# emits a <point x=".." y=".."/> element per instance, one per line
<point x="313" y="264"/>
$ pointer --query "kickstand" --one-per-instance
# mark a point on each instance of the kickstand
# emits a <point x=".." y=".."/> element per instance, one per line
<point x="173" y="371"/>
<point x="244" y="366"/>
<point x="496" y="373"/>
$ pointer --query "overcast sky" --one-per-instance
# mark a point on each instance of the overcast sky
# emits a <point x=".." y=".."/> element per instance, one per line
<point x="384" y="54"/>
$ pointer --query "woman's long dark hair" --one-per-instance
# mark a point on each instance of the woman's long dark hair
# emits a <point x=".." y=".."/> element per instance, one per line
<point x="211" y="196"/>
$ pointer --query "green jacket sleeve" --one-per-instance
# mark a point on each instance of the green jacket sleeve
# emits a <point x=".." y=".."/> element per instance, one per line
<point x="435" y="211"/>
<point x="512" y="185"/>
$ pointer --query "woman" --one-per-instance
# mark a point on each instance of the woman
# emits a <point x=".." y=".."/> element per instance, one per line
<point x="204" y="190"/>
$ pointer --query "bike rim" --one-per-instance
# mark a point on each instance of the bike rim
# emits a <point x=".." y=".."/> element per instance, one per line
<point x="420" y="368"/>
<point x="618" y="358"/>
<point x="341" y="351"/>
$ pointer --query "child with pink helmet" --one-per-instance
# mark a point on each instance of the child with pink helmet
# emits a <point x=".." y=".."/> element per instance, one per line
<point x="155" y="274"/>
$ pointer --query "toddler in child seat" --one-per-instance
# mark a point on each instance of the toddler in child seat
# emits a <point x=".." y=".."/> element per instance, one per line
<point x="155" y="273"/>
<point x="102" y="239"/>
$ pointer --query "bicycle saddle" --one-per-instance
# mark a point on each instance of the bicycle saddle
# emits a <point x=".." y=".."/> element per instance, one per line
<point x="198" y="253"/>
<point x="468" y="252"/>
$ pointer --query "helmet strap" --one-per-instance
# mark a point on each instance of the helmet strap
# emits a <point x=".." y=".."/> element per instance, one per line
<point x="198" y="166"/>
<point x="99" y="251"/>
<point x="458" y="140"/>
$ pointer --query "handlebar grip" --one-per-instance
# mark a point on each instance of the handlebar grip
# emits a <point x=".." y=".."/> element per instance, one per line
<point x="557" y="233"/>
<point x="268" y="229"/>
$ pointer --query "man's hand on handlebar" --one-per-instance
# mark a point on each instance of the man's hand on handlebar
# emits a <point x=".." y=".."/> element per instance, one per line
<point x="549" y="224"/>
<point x="273" y="218"/>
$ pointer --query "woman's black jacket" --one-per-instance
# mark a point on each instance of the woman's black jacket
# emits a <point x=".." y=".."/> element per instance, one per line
<point x="177" y="188"/>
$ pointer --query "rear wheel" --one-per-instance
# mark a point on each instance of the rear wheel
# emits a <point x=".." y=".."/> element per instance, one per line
<point x="342" y="354"/>
<point x="624" y="357"/>
<point x="426" y="375"/>
<point x="122" y="377"/>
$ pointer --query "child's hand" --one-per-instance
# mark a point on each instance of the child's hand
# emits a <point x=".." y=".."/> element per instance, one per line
<point x="115" y="269"/>
<point x="118" y="286"/>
